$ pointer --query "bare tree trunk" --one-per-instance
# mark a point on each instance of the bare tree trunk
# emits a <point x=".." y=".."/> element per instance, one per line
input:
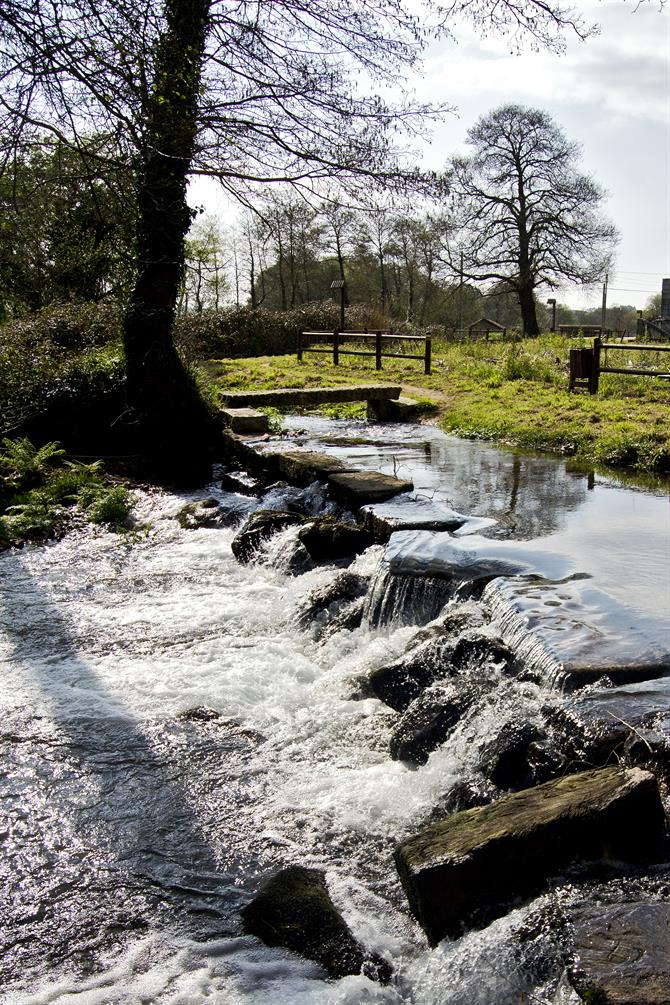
<point x="176" y="428"/>
<point x="528" y="313"/>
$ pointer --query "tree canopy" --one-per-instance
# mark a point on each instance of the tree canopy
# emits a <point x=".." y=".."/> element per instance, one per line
<point x="526" y="216"/>
<point x="247" y="92"/>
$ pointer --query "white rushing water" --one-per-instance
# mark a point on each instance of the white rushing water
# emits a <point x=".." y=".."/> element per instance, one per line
<point x="128" y="634"/>
<point x="170" y="737"/>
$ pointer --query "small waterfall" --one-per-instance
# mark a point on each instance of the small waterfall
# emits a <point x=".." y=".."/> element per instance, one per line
<point x="512" y="625"/>
<point x="405" y="600"/>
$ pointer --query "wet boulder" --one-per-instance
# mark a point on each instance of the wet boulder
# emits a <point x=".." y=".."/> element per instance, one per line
<point x="623" y="953"/>
<point x="328" y="540"/>
<point x="465" y="870"/>
<point x="399" y="683"/>
<point x="326" y="602"/>
<point x="430" y="719"/>
<point x="211" y="513"/>
<point x="261" y="526"/>
<point x="294" y="910"/>
<point x="241" y="482"/>
<point x="504" y="758"/>
<point x="440" y="653"/>
<point x="477" y="650"/>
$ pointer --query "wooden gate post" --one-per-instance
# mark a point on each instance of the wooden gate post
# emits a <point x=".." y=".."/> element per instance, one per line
<point x="595" y="372"/>
<point x="299" y="347"/>
<point x="378" y="350"/>
<point x="426" y="367"/>
<point x="336" y="348"/>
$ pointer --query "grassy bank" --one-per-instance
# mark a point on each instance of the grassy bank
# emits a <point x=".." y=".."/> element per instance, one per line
<point x="512" y="394"/>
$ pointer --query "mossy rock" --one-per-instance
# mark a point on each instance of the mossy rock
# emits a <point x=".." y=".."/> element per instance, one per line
<point x="294" y="910"/>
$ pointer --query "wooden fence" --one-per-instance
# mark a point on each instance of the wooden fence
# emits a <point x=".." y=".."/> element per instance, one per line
<point x="586" y="365"/>
<point x="379" y="338"/>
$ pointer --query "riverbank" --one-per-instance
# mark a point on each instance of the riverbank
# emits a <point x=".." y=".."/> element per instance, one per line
<point x="511" y="394"/>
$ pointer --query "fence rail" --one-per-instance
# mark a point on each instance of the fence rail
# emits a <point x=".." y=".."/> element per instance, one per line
<point x="379" y="337"/>
<point x="586" y="365"/>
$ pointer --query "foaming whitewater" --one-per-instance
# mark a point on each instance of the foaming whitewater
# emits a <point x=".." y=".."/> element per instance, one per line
<point x="172" y="737"/>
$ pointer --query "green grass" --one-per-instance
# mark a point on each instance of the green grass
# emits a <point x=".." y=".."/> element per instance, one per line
<point x="514" y="394"/>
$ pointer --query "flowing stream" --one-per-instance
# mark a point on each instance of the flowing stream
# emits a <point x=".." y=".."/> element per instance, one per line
<point x="171" y="736"/>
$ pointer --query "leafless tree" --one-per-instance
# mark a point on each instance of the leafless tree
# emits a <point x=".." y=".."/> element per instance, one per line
<point x="247" y="92"/>
<point x="526" y="216"/>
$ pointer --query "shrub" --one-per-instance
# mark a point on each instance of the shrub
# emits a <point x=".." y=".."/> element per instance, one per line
<point x="66" y="353"/>
<point x="238" y="332"/>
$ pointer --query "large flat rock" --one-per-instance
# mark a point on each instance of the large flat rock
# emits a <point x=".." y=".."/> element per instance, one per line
<point x="575" y="633"/>
<point x="623" y="953"/>
<point x="288" y="397"/>
<point x="302" y="467"/>
<point x="356" y="488"/>
<point x="465" y="870"/>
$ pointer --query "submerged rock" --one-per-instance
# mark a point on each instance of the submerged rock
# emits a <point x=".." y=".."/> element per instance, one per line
<point x="260" y="526"/>
<point x="465" y="870"/>
<point x="623" y="953"/>
<point x="210" y="513"/>
<point x="349" y="618"/>
<point x="327" y="540"/>
<point x="294" y="910"/>
<point x="430" y="719"/>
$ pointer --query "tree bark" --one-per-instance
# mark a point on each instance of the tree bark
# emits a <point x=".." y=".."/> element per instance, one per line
<point x="528" y="313"/>
<point x="175" y="426"/>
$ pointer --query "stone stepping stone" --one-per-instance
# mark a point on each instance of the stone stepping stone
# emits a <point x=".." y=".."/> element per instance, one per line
<point x="245" y="420"/>
<point x="464" y="871"/>
<point x="302" y="467"/>
<point x="354" y="489"/>
<point x="409" y="514"/>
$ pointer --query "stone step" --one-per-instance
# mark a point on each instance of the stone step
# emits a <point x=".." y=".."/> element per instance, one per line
<point x="245" y="420"/>
<point x="465" y="870"/>
<point x="291" y="396"/>
<point x="354" y="489"/>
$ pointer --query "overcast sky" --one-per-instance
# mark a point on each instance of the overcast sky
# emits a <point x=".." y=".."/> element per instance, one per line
<point x="610" y="93"/>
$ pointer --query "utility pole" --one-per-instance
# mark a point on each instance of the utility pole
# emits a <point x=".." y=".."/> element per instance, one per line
<point x="604" y="309"/>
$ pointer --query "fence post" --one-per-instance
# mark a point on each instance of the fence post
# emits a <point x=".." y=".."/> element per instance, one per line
<point x="299" y="347"/>
<point x="427" y="357"/>
<point x="336" y="348"/>
<point x="378" y="350"/>
<point x="595" y="373"/>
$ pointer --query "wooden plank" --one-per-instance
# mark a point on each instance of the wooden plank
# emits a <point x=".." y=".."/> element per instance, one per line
<point x="636" y="346"/>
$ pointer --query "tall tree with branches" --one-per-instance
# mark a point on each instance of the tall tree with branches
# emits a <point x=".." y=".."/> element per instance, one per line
<point x="525" y="215"/>
<point x="247" y="92"/>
